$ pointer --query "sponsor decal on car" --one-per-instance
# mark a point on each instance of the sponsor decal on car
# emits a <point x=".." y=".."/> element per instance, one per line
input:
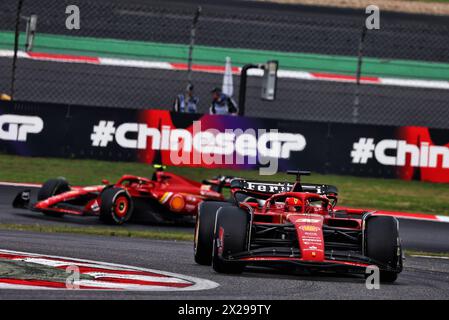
<point x="309" y="228"/>
<point x="165" y="197"/>
<point x="307" y="220"/>
<point x="95" y="207"/>
<point x="268" y="187"/>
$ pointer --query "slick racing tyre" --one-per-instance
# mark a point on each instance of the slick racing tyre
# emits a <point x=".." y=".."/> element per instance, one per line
<point x="240" y="197"/>
<point x="383" y="245"/>
<point x="230" y="237"/>
<point x="52" y="188"/>
<point x="116" y="206"/>
<point x="204" y="230"/>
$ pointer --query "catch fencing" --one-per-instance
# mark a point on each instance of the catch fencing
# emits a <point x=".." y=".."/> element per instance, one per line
<point x="135" y="54"/>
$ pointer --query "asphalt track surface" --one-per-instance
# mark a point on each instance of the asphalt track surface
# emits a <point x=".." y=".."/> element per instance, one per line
<point x="93" y="85"/>
<point x="422" y="278"/>
<point x="427" y="236"/>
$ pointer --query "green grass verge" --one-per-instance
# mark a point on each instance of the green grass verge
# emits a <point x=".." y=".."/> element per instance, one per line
<point x="101" y="231"/>
<point x="386" y="194"/>
<point x="428" y="254"/>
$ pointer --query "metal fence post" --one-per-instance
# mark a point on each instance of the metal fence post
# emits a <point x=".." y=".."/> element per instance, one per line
<point x="355" y="110"/>
<point x="16" y="48"/>
<point x="192" y="43"/>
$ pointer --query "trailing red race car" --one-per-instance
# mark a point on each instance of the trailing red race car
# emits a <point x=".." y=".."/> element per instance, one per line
<point x="294" y="225"/>
<point x="164" y="196"/>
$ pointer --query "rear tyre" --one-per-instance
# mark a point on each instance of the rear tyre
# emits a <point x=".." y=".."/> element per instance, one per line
<point x="52" y="188"/>
<point x="116" y="206"/>
<point x="230" y="237"/>
<point x="204" y="230"/>
<point x="383" y="245"/>
<point x="239" y="197"/>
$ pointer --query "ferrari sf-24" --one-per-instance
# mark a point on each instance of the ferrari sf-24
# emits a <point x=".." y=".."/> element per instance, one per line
<point x="163" y="197"/>
<point x="295" y="226"/>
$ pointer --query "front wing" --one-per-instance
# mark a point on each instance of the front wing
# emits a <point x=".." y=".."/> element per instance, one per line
<point x="23" y="201"/>
<point x="285" y="257"/>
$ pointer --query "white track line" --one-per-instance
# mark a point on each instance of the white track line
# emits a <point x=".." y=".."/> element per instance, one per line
<point x="20" y="184"/>
<point x="428" y="257"/>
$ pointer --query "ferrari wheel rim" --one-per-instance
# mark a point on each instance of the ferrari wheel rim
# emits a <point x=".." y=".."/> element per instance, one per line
<point x="121" y="206"/>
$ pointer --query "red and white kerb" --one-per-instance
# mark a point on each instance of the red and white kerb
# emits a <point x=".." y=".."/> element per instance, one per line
<point x="102" y="275"/>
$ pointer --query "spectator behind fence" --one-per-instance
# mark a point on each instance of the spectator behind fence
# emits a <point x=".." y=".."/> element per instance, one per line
<point x="222" y="104"/>
<point x="186" y="102"/>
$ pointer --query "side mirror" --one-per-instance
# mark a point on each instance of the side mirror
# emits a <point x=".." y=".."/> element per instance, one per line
<point x="105" y="181"/>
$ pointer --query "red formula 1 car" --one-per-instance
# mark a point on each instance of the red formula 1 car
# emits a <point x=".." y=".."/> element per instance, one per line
<point x="165" y="196"/>
<point x="294" y="225"/>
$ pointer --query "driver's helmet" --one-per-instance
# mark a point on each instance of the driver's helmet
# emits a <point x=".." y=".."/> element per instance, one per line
<point x="293" y="204"/>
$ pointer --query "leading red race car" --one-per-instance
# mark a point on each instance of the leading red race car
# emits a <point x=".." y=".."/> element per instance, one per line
<point x="294" y="225"/>
<point x="164" y="196"/>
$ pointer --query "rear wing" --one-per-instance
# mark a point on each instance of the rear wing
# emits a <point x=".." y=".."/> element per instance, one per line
<point x="267" y="189"/>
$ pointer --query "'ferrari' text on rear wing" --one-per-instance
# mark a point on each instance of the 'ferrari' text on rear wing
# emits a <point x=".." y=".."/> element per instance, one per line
<point x="270" y="188"/>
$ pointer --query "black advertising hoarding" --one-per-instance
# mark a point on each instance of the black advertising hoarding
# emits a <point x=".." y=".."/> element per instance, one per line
<point x="157" y="136"/>
<point x="345" y="158"/>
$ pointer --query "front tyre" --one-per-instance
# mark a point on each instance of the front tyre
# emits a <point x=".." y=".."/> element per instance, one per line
<point x="116" y="206"/>
<point x="230" y="237"/>
<point x="52" y="188"/>
<point x="204" y="230"/>
<point x="383" y="245"/>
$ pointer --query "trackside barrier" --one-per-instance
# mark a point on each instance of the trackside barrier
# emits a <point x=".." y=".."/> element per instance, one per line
<point x="158" y="136"/>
